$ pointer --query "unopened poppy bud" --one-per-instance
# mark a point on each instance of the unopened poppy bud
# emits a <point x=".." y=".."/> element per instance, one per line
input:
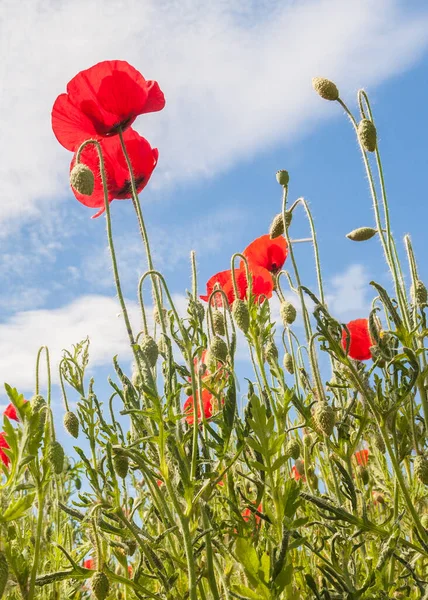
<point x="307" y="440"/>
<point x="163" y="345"/>
<point x="292" y="449"/>
<point x="419" y="293"/>
<point x="82" y="179"/>
<point x="241" y="315"/>
<point x="325" y="88"/>
<point x="218" y="348"/>
<point x="420" y="467"/>
<point x="131" y="547"/>
<point x="288" y="363"/>
<point x="156" y="315"/>
<point x="282" y="177"/>
<point x="378" y="442"/>
<point x="150" y="349"/>
<point x="271" y="352"/>
<point x="300" y="466"/>
<point x="121" y="464"/>
<point x="4" y="573"/>
<point x="71" y="423"/>
<point x="324" y="418"/>
<point x="277" y="226"/>
<point x="288" y="313"/>
<point x="100" y="585"/>
<point x="219" y="325"/>
<point x="363" y="474"/>
<point x="56" y="457"/>
<point x="361" y="234"/>
<point x="199" y="309"/>
<point x="136" y="378"/>
<point x="424" y="521"/>
<point x="367" y="135"/>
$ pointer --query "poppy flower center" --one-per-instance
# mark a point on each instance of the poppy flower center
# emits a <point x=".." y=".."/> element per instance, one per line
<point x="121" y="125"/>
<point x="127" y="187"/>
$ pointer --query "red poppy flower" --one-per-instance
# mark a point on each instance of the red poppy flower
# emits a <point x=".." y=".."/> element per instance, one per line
<point x="362" y="457"/>
<point x="11" y="413"/>
<point x="143" y="159"/>
<point x="159" y="482"/>
<point x="100" y="100"/>
<point x="89" y="563"/>
<point x="298" y="470"/>
<point x="3" y="444"/>
<point x="266" y="253"/>
<point x="206" y="405"/>
<point x="246" y="514"/>
<point x="262" y="284"/>
<point x="359" y="341"/>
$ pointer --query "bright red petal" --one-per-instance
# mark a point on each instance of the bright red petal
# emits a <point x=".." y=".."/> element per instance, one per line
<point x="267" y="253"/>
<point x="360" y="340"/>
<point x="3" y="444"/>
<point x="70" y="126"/>
<point x="262" y="283"/>
<point x="206" y="405"/>
<point x="224" y="280"/>
<point x="11" y="413"/>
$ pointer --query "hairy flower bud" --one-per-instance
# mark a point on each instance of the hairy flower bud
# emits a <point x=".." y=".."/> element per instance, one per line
<point x="324" y="418"/>
<point x="56" y="457"/>
<point x="282" y="177"/>
<point x="363" y="474"/>
<point x="361" y="234"/>
<point x="219" y="324"/>
<point x="71" y="423"/>
<point x="199" y="309"/>
<point x="288" y="313"/>
<point x="424" y="521"/>
<point x="420" y="467"/>
<point x="367" y="135"/>
<point x="271" y="352"/>
<point x="121" y="464"/>
<point x="131" y="546"/>
<point x="418" y="293"/>
<point x="241" y="315"/>
<point x="292" y="449"/>
<point x="288" y="363"/>
<point x="325" y="88"/>
<point x="218" y="348"/>
<point x="300" y="466"/>
<point x="100" y="585"/>
<point x="277" y="226"/>
<point x="150" y="349"/>
<point x="307" y="440"/>
<point x="82" y="179"/>
<point x="156" y="315"/>
<point x="378" y="442"/>
<point x="4" y="573"/>
<point x="163" y="345"/>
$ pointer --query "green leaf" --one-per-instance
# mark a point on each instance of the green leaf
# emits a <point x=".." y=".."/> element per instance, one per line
<point x="18" y="508"/>
<point x="245" y="592"/>
<point x="247" y="556"/>
<point x="284" y="578"/>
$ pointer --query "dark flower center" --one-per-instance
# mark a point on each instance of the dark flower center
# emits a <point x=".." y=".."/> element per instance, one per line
<point x="127" y="188"/>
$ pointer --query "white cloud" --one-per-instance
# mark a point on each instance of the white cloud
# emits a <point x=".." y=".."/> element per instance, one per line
<point x="349" y="292"/>
<point x="237" y="79"/>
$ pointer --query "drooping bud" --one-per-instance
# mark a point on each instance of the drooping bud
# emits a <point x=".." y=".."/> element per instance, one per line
<point x="150" y="349"/>
<point x="199" y="309"/>
<point x="71" y="423"/>
<point x="282" y="177"/>
<point x="288" y="363"/>
<point x="132" y="546"/>
<point x="324" y="418"/>
<point x="277" y="226"/>
<point x="292" y="449"/>
<point x="100" y="585"/>
<point x="363" y="474"/>
<point x="271" y="352"/>
<point x="39" y="406"/>
<point x="418" y="293"/>
<point x="367" y="135"/>
<point x="420" y="467"/>
<point x="241" y="315"/>
<point x="219" y="325"/>
<point x="361" y="234"/>
<point x="4" y="573"/>
<point x="218" y="348"/>
<point x="288" y="313"/>
<point x="163" y="345"/>
<point x="121" y="464"/>
<point x="82" y="179"/>
<point x="325" y="88"/>
<point x="156" y="315"/>
<point x="378" y="442"/>
<point x="56" y="457"/>
<point x="307" y="440"/>
<point x="136" y="378"/>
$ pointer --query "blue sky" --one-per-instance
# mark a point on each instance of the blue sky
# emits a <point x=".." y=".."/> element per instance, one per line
<point x="237" y="79"/>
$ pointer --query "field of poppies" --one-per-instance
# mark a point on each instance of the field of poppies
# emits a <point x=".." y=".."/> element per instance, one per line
<point x="318" y="488"/>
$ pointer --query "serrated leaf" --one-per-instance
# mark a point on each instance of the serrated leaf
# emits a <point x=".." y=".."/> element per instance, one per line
<point x="247" y="556"/>
<point x="18" y="508"/>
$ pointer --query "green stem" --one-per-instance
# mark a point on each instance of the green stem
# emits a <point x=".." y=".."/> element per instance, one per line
<point x="40" y="499"/>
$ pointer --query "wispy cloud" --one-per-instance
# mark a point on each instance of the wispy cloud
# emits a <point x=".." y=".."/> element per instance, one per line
<point x="236" y="76"/>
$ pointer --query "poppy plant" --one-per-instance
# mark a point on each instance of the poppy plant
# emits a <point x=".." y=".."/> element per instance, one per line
<point x="3" y="444"/>
<point x="298" y="471"/>
<point x="143" y="158"/>
<point x="246" y="514"/>
<point x="206" y="405"/>
<point x="360" y="341"/>
<point x="101" y="100"/>
<point x="262" y="284"/>
<point x="11" y="413"/>
<point x="266" y="253"/>
<point x="362" y="457"/>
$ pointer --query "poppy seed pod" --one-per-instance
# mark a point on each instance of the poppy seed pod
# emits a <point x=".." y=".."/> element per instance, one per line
<point x="100" y="585"/>
<point x="219" y="325"/>
<point x="56" y="457"/>
<point x="361" y="234"/>
<point x="288" y="363"/>
<point x="121" y="464"/>
<point x="288" y="313"/>
<point x="367" y="135"/>
<point x="420" y="467"/>
<point x="82" y="179"/>
<point x="325" y="88"/>
<point x="418" y="292"/>
<point x="150" y="349"/>
<point x="71" y="423"/>
<point x="282" y="177"/>
<point x="218" y="349"/>
<point x="324" y="418"/>
<point x="292" y="449"/>
<point x="4" y="573"/>
<point x="241" y="315"/>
